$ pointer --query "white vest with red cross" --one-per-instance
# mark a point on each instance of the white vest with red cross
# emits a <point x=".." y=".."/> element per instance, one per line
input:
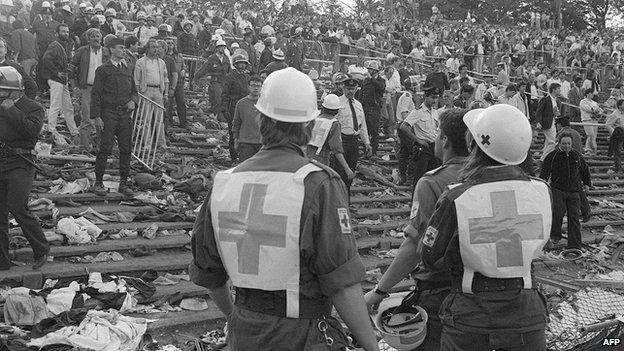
<point x="255" y="218"/>
<point x="500" y="237"/>
<point x="320" y="132"/>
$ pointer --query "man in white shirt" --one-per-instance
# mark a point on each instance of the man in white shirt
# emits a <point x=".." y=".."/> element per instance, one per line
<point x="589" y="114"/>
<point x="84" y="63"/>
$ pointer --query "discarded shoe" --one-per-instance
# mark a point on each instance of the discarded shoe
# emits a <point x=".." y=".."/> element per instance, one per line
<point x="125" y="189"/>
<point x="99" y="189"/>
<point x="39" y="262"/>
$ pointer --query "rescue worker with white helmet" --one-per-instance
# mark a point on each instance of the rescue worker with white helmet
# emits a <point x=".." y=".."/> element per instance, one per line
<point x="21" y="120"/>
<point x="432" y="285"/>
<point x="235" y="87"/>
<point x="486" y="232"/>
<point x="277" y="226"/>
<point x="326" y="140"/>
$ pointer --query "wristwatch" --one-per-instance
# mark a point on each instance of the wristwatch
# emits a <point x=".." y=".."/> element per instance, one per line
<point x="381" y="292"/>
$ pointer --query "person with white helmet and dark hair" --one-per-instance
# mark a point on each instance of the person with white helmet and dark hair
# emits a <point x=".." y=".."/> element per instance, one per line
<point x="326" y="140"/>
<point x="485" y="232"/>
<point x="235" y="87"/>
<point x="216" y="66"/>
<point x="21" y="120"/>
<point x="278" y="62"/>
<point x="277" y="227"/>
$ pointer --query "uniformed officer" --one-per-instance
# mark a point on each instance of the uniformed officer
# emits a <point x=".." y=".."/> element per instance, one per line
<point x="352" y="127"/>
<point x="326" y="140"/>
<point x="217" y="66"/>
<point x="372" y="93"/>
<point x="486" y="232"/>
<point x="21" y="120"/>
<point x="277" y="226"/>
<point x="432" y="285"/>
<point x="235" y="87"/>
<point x="112" y="101"/>
<point x="420" y="131"/>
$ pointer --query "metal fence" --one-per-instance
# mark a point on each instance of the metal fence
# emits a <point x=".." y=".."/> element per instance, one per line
<point x="148" y="123"/>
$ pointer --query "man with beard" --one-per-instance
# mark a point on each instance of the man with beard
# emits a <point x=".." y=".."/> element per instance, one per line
<point x="55" y="67"/>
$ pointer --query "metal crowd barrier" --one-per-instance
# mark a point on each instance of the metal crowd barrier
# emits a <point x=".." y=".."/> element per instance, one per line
<point x="148" y="120"/>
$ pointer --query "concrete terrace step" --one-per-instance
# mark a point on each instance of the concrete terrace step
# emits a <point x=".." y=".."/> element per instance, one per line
<point x="103" y="209"/>
<point x="107" y="227"/>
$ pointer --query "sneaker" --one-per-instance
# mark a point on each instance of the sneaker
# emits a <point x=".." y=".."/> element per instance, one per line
<point x="125" y="189"/>
<point x="99" y="189"/>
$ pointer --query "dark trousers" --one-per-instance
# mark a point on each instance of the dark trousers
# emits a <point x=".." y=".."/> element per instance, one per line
<point x="116" y="124"/>
<point x="585" y="209"/>
<point x="15" y="185"/>
<point x="372" y="124"/>
<point x="233" y="152"/>
<point x="215" y="89"/>
<point x="527" y="164"/>
<point x="617" y="156"/>
<point x="177" y="99"/>
<point x="422" y="161"/>
<point x="192" y="67"/>
<point x="404" y="151"/>
<point x="247" y="150"/>
<point x="351" y="155"/>
<point x="454" y="339"/>
<point x="566" y="202"/>
<point x="430" y="301"/>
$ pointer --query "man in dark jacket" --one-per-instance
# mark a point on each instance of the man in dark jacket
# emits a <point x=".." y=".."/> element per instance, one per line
<point x="187" y="45"/>
<point x="247" y="45"/>
<point x="437" y="79"/>
<point x="44" y="29"/>
<point x="236" y="87"/>
<point x="217" y="66"/>
<point x="372" y="92"/>
<point x="55" y="68"/>
<point x="266" y="56"/>
<point x="569" y="175"/>
<point x="21" y="120"/>
<point x="295" y="52"/>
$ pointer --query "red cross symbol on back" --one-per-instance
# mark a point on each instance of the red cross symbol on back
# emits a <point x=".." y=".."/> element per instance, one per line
<point x="250" y="228"/>
<point x="506" y="228"/>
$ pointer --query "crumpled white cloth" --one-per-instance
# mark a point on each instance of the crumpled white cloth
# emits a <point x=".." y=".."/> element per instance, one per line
<point x="60" y="300"/>
<point x="99" y="331"/>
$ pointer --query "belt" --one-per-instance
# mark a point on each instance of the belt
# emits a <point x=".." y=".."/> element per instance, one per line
<point x="482" y="283"/>
<point x="116" y="108"/>
<point x="153" y="86"/>
<point x="274" y="303"/>
<point x="347" y="136"/>
<point x="424" y="285"/>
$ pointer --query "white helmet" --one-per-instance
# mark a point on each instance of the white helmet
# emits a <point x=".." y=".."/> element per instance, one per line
<point x="405" y="330"/>
<point x="220" y="31"/>
<point x="216" y="37"/>
<point x="288" y="95"/>
<point x="501" y="131"/>
<point x="220" y="42"/>
<point x="110" y="13"/>
<point x="45" y="4"/>
<point x="331" y="102"/>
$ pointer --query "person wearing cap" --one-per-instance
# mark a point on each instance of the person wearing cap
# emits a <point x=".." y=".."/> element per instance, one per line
<point x="548" y="108"/>
<point x="326" y="141"/>
<point x="432" y="284"/>
<point x="24" y="46"/>
<point x="485" y="233"/>
<point x="372" y="98"/>
<point x="246" y="122"/>
<point x="21" y="120"/>
<point x="266" y="56"/>
<point x="217" y="66"/>
<point x="295" y="51"/>
<point x="63" y="14"/>
<point x="187" y="45"/>
<point x="146" y="31"/>
<point x="84" y="63"/>
<point x="44" y="29"/>
<point x="113" y="98"/>
<point x="569" y="175"/>
<point x="235" y="87"/>
<point x="250" y="50"/>
<point x="297" y="209"/>
<point x="55" y="67"/>
<point x="81" y="24"/>
<point x="278" y="62"/>
<point x="352" y="128"/>
<point x="151" y="79"/>
<point x="164" y="31"/>
<point x="419" y="131"/>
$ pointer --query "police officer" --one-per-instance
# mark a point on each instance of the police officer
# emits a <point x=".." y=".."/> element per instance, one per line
<point x="112" y="101"/>
<point x="278" y="62"/>
<point x="21" y="120"/>
<point x="326" y="140"/>
<point x="432" y="285"/>
<point x="352" y="127"/>
<point x="217" y="66"/>
<point x="235" y="87"/>
<point x="277" y="226"/>
<point x="486" y="232"/>
<point x="420" y="130"/>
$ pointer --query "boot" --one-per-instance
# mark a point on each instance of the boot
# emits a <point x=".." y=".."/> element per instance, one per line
<point x="99" y="189"/>
<point x="125" y="189"/>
